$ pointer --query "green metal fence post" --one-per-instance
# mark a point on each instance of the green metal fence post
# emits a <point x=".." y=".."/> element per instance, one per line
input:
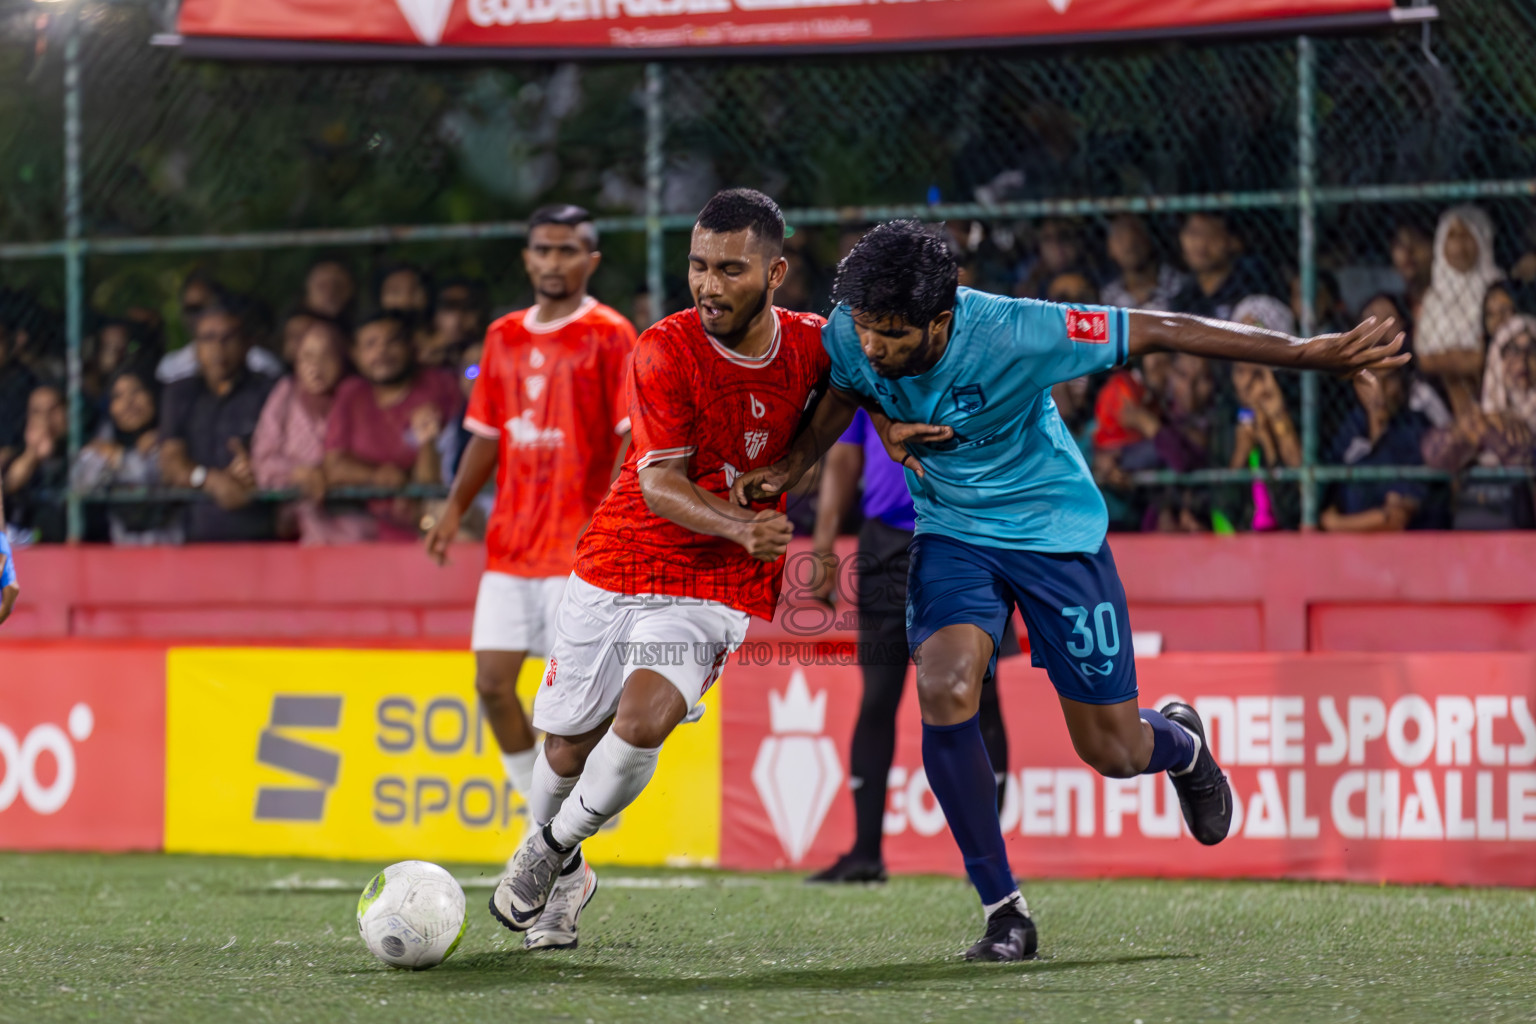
<point x="1306" y="261"/>
<point x="655" y="172"/>
<point x="74" y="255"/>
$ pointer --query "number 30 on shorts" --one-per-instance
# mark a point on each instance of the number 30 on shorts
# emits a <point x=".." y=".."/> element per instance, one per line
<point x="1106" y="630"/>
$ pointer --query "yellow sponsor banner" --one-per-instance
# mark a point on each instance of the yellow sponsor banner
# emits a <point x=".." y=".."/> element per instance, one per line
<point x="386" y="755"/>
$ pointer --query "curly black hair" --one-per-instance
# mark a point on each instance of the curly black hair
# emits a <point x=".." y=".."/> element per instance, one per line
<point x="899" y="269"/>
<point x="744" y="209"/>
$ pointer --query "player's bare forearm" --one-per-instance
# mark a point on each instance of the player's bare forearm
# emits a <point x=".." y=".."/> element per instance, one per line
<point x="8" y="601"/>
<point x="839" y="489"/>
<point x="831" y="417"/>
<point x="1373" y="345"/>
<point x="670" y="494"/>
<point x="475" y="468"/>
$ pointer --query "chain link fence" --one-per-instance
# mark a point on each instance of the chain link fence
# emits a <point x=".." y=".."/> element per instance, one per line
<point x="1331" y="161"/>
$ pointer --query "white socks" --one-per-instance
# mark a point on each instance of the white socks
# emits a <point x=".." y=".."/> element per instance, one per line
<point x="615" y="774"/>
<point x="547" y="792"/>
<point x="519" y="768"/>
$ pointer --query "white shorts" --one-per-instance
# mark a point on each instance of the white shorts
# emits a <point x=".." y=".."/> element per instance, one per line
<point x="601" y="637"/>
<point x="516" y="613"/>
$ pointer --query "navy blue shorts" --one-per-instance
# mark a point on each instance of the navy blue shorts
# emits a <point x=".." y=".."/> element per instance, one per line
<point x="1073" y="604"/>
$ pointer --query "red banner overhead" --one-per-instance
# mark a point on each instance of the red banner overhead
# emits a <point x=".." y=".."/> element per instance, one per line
<point x="596" y="26"/>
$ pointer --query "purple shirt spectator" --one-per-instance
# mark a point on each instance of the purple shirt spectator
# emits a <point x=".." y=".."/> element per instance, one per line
<point x="885" y="483"/>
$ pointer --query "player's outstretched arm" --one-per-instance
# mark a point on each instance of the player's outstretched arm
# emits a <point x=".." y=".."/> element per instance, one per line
<point x="1373" y="345"/>
<point x="670" y="494"/>
<point x="475" y="468"/>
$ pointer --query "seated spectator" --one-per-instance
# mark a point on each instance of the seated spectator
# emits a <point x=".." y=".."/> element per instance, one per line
<point x="185" y="363"/>
<point x="458" y="317"/>
<point x="1263" y="421"/>
<point x="1422" y="396"/>
<point x="1144" y="282"/>
<point x="1183" y="444"/>
<point x="404" y="288"/>
<point x="288" y="449"/>
<point x="1449" y="343"/>
<point x="206" y="429"/>
<point x="1128" y="414"/>
<point x="38" y="475"/>
<point x="1059" y="250"/>
<point x="295" y="325"/>
<point x="1073" y="288"/>
<point x="1496" y="433"/>
<point x="1413" y="253"/>
<point x="329" y="289"/>
<point x="1381" y="431"/>
<point x="1211" y="252"/>
<point x="16" y="383"/>
<point x="126" y="453"/>
<point x="1498" y="307"/>
<point x="117" y="343"/>
<point x="1329" y="316"/>
<point x="383" y="429"/>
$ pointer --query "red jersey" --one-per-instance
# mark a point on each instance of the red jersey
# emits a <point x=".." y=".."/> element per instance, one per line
<point x="553" y="396"/>
<point x="691" y="396"/>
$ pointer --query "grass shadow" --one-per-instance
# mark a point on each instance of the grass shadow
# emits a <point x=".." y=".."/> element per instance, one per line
<point x="493" y="969"/>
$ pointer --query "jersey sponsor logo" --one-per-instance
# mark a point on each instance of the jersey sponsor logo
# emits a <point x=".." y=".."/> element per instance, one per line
<point x="535" y="387"/>
<point x="969" y="398"/>
<point x="758" y="408"/>
<point x="528" y="434"/>
<point x="755" y="440"/>
<point x="535" y="358"/>
<point x="1089" y="328"/>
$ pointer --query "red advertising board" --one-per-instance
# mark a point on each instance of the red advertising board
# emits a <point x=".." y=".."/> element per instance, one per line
<point x="596" y="26"/>
<point x="1415" y="768"/>
<point x="82" y="748"/>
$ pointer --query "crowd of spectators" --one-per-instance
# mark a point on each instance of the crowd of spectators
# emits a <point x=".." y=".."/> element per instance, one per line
<point x="363" y="389"/>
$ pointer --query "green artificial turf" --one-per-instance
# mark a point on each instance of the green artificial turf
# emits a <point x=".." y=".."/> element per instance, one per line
<point x="160" y="938"/>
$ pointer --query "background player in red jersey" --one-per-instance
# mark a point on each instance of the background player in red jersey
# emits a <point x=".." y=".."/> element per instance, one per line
<point x="548" y="415"/>
<point x="670" y="570"/>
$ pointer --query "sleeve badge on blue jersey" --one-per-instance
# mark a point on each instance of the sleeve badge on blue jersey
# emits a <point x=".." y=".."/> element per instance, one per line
<point x="1090" y="328"/>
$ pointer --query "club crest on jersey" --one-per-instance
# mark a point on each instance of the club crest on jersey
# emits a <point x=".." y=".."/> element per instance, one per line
<point x="535" y="386"/>
<point x="757" y="407"/>
<point x="754" y="440"/>
<point x="1089" y="328"/>
<point x="968" y="397"/>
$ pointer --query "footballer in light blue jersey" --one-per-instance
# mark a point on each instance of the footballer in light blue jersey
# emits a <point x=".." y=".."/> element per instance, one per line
<point x="1011" y="477"/>
<point x="958" y="382"/>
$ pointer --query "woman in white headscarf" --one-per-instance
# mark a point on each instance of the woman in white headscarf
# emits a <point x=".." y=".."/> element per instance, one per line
<point x="1449" y="340"/>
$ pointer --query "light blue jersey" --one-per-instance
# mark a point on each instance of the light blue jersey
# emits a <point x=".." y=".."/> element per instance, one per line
<point x="8" y="568"/>
<point x="1012" y="477"/>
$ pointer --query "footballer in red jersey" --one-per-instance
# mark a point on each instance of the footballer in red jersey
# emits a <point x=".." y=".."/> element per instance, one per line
<point x="670" y="569"/>
<point x="548" y="414"/>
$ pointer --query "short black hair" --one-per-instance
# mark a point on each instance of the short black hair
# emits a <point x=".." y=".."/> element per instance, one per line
<point x="900" y="269"/>
<point x="568" y="214"/>
<point x="399" y="318"/>
<point x="237" y="307"/>
<point x="744" y="209"/>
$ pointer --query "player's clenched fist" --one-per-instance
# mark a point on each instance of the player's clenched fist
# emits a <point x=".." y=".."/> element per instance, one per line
<point x="766" y="535"/>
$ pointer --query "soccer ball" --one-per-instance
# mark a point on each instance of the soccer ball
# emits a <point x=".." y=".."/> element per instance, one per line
<point x="412" y="915"/>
